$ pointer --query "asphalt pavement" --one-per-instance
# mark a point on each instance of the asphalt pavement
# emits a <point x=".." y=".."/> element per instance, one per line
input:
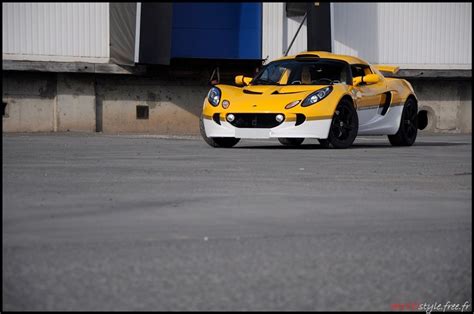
<point x="132" y="222"/>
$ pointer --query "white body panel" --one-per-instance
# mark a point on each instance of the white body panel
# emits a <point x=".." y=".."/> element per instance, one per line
<point x="371" y="122"/>
<point x="308" y="129"/>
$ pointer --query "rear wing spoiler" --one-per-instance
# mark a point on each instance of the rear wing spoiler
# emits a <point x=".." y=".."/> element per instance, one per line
<point x="387" y="68"/>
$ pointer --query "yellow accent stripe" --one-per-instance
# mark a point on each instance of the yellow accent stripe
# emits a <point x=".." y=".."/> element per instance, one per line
<point x="379" y="106"/>
<point x="318" y="118"/>
<point x="369" y="107"/>
<point x="207" y="117"/>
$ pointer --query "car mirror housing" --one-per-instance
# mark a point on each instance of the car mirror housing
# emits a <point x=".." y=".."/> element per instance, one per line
<point x="371" y="79"/>
<point x="367" y="79"/>
<point x="241" y="80"/>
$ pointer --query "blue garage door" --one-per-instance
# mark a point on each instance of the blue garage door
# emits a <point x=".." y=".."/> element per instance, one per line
<point x="217" y="30"/>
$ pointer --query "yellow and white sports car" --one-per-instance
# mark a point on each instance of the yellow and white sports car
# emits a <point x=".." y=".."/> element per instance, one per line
<point x="321" y="95"/>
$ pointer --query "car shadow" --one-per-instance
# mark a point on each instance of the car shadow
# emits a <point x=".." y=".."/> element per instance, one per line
<point x="354" y="146"/>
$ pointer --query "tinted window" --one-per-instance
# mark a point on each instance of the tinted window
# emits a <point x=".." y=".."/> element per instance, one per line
<point x="307" y="72"/>
<point x="360" y="70"/>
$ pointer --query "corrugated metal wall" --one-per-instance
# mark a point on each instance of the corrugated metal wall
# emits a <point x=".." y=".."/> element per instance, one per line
<point x="56" y="31"/>
<point x="411" y="35"/>
<point x="278" y="31"/>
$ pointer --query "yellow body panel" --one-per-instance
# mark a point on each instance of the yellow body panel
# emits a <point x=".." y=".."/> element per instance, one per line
<point x="273" y="99"/>
<point x="387" y="68"/>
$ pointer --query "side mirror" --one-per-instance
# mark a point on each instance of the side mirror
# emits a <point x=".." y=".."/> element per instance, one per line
<point x="367" y="79"/>
<point x="371" y="79"/>
<point x="241" y="80"/>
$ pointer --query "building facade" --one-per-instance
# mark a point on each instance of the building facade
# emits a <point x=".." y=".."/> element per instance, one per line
<point x="145" y="67"/>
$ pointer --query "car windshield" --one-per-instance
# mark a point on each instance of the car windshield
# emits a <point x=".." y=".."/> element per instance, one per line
<point x="302" y="72"/>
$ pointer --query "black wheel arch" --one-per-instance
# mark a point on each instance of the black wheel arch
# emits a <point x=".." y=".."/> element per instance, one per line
<point x="348" y="98"/>
<point x="412" y="97"/>
<point x="422" y="115"/>
<point x="334" y="140"/>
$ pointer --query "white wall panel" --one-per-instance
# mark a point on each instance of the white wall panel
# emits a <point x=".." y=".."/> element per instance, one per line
<point x="278" y="31"/>
<point x="301" y="41"/>
<point x="56" y="31"/>
<point x="411" y="35"/>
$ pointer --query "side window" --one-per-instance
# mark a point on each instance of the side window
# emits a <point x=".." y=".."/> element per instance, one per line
<point x="264" y="75"/>
<point x="273" y="73"/>
<point x="367" y="70"/>
<point x="360" y="70"/>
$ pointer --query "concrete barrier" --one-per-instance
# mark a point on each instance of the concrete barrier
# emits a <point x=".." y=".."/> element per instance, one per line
<point x="448" y="103"/>
<point x="89" y="102"/>
<point x="30" y="100"/>
<point x="75" y="103"/>
<point x="173" y="107"/>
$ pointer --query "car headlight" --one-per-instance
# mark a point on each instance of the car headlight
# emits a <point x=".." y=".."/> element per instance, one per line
<point x="214" y="96"/>
<point x="316" y="96"/>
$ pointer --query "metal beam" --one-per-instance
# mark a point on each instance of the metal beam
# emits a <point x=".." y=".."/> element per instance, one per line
<point x="297" y="31"/>
<point x="78" y="67"/>
<point x="442" y="74"/>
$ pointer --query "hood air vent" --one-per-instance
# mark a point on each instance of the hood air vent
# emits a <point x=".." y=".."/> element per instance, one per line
<point x="285" y="93"/>
<point x="250" y="92"/>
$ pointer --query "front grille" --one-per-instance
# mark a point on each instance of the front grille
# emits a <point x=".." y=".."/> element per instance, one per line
<point x="255" y="120"/>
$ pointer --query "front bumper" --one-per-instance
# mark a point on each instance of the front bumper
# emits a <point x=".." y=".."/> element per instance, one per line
<point x="316" y="128"/>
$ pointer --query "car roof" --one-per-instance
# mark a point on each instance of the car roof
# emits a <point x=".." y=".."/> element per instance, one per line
<point x="326" y="55"/>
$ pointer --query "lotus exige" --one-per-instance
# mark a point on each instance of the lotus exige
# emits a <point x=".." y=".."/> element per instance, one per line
<point x="321" y="95"/>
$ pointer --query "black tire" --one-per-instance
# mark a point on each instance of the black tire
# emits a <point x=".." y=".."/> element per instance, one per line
<point x="344" y="127"/>
<point x="291" y="141"/>
<point x="217" y="141"/>
<point x="408" y="129"/>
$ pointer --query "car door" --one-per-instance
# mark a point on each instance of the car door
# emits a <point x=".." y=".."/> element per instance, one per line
<point x="369" y="97"/>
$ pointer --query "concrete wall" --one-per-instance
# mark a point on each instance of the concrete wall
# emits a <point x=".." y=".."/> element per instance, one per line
<point x="75" y="108"/>
<point x="448" y="102"/>
<point x="47" y="102"/>
<point x="173" y="106"/>
<point x="30" y="99"/>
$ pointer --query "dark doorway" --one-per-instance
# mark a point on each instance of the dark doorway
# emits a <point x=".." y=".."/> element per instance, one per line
<point x="319" y="26"/>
